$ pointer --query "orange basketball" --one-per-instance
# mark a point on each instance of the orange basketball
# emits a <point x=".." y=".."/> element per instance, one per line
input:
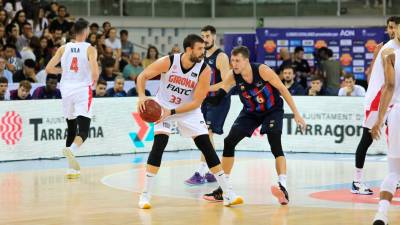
<point x="152" y="113"/>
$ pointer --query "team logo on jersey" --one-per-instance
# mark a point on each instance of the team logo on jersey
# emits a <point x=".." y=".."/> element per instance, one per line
<point x="260" y="99"/>
<point x="242" y="87"/>
<point x="193" y="74"/>
<point x="210" y="61"/>
<point x="259" y="84"/>
<point x="271" y="123"/>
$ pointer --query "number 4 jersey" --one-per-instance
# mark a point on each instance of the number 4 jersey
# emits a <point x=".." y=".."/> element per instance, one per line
<point x="76" y="73"/>
<point x="177" y="85"/>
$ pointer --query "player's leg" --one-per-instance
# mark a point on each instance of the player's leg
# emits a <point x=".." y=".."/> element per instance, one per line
<point x="358" y="187"/>
<point x="215" y="118"/>
<point x="388" y="187"/>
<point x="243" y="126"/>
<point x="161" y="136"/>
<point x="193" y="125"/>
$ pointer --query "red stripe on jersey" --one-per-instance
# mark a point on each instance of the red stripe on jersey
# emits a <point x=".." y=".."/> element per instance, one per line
<point x="271" y="97"/>
<point x="90" y="98"/>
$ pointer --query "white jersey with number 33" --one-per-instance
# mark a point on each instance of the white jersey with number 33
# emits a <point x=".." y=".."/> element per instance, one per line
<point x="76" y="73"/>
<point x="177" y="86"/>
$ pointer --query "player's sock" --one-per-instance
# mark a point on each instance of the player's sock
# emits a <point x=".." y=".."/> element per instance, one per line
<point x="74" y="148"/>
<point x="203" y="169"/>
<point x="383" y="206"/>
<point x="228" y="181"/>
<point x="282" y="180"/>
<point x="222" y="181"/>
<point x="358" y="174"/>
<point x="148" y="183"/>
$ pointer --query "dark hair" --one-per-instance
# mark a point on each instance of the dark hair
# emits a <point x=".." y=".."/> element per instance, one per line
<point x="288" y="67"/>
<point x="94" y="25"/>
<point x="108" y="62"/>
<point x="10" y="46"/>
<point x="103" y="82"/>
<point x="26" y="84"/>
<point x="298" y="49"/>
<point x="148" y="51"/>
<point x="34" y="43"/>
<point x="191" y="40"/>
<point x="125" y="32"/>
<point x="395" y="19"/>
<point x="62" y="7"/>
<point x="243" y="50"/>
<point x="329" y="53"/>
<point x="80" y="25"/>
<point x="30" y="63"/>
<point x="104" y="24"/>
<point x="349" y="75"/>
<point x="51" y="76"/>
<point x="209" y="28"/>
<point x="3" y="80"/>
<point x="316" y="77"/>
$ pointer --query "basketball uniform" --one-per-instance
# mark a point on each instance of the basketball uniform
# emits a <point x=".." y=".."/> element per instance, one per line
<point x="215" y="115"/>
<point x="76" y="81"/>
<point x="393" y="121"/>
<point x="176" y="89"/>
<point x="262" y="105"/>
<point x="373" y="95"/>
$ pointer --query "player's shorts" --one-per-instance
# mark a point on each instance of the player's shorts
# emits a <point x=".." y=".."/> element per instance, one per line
<point x="215" y="115"/>
<point x="271" y="122"/>
<point x="393" y="132"/>
<point x="78" y="103"/>
<point x="370" y="118"/>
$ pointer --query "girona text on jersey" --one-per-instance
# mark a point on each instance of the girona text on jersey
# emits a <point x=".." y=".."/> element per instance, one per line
<point x="181" y="81"/>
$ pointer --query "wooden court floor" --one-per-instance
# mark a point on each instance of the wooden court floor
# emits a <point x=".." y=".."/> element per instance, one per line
<point x="45" y="197"/>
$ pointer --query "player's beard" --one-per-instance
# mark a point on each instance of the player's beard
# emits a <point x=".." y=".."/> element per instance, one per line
<point x="210" y="46"/>
<point x="195" y="59"/>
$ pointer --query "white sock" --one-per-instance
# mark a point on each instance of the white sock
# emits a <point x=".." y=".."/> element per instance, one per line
<point x="228" y="181"/>
<point x="358" y="174"/>
<point x="383" y="206"/>
<point x="282" y="180"/>
<point x="222" y="181"/>
<point x="74" y="148"/>
<point x="203" y="169"/>
<point x="148" y="183"/>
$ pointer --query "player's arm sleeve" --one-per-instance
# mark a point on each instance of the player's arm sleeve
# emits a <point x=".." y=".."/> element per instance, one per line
<point x="267" y="74"/>
<point x="388" y="88"/>
<point x="51" y="66"/>
<point x="92" y="55"/>
<point x="160" y="66"/>
<point x="199" y="93"/>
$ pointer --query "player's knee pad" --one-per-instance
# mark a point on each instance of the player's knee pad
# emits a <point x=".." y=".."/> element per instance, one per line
<point x="230" y="142"/>
<point x="71" y="132"/>
<point x="203" y="142"/>
<point x="275" y="144"/>
<point x="389" y="184"/>
<point x="83" y="125"/>
<point x="159" y="144"/>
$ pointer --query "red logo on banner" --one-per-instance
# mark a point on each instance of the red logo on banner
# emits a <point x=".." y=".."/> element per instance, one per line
<point x="269" y="46"/>
<point x="371" y="45"/>
<point x="319" y="44"/>
<point x="11" y="128"/>
<point x="346" y="59"/>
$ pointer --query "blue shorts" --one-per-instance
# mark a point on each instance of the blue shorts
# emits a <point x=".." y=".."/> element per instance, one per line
<point x="271" y="122"/>
<point x="215" y="115"/>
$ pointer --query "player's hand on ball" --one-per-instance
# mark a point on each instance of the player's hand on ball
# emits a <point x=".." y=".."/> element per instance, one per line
<point x="140" y="105"/>
<point x="165" y="113"/>
<point x="300" y="122"/>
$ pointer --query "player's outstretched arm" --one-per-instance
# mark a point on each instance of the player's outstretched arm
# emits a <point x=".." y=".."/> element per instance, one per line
<point x="269" y="75"/>
<point x="51" y="66"/>
<point x="225" y="84"/>
<point x="158" y="67"/>
<point x="223" y="65"/>
<point x="94" y="67"/>
<point x="388" y="57"/>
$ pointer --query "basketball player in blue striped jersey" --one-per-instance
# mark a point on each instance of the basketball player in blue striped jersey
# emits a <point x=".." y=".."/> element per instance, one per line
<point x="260" y="91"/>
<point x="214" y="115"/>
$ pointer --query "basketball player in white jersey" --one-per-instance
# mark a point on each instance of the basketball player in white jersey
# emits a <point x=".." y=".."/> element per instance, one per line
<point x="372" y="97"/>
<point x="389" y="112"/>
<point x="79" y="71"/>
<point x="184" y="84"/>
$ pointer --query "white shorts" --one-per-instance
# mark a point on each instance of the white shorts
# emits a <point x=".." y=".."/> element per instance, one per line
<point x="80" y="103"/>
<point x="393" y="132"/>
<point x="190" y="124"/>
<point x="370" y="118"/>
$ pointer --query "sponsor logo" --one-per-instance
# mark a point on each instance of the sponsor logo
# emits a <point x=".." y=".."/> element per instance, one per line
<point x="269" y="46"/>
<point x="346" y="59"/>
<point x="11" y="127"/>
<point x="320" y="43"/>
<point x="371" y="45"/>
<point x="145" y="133"/>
